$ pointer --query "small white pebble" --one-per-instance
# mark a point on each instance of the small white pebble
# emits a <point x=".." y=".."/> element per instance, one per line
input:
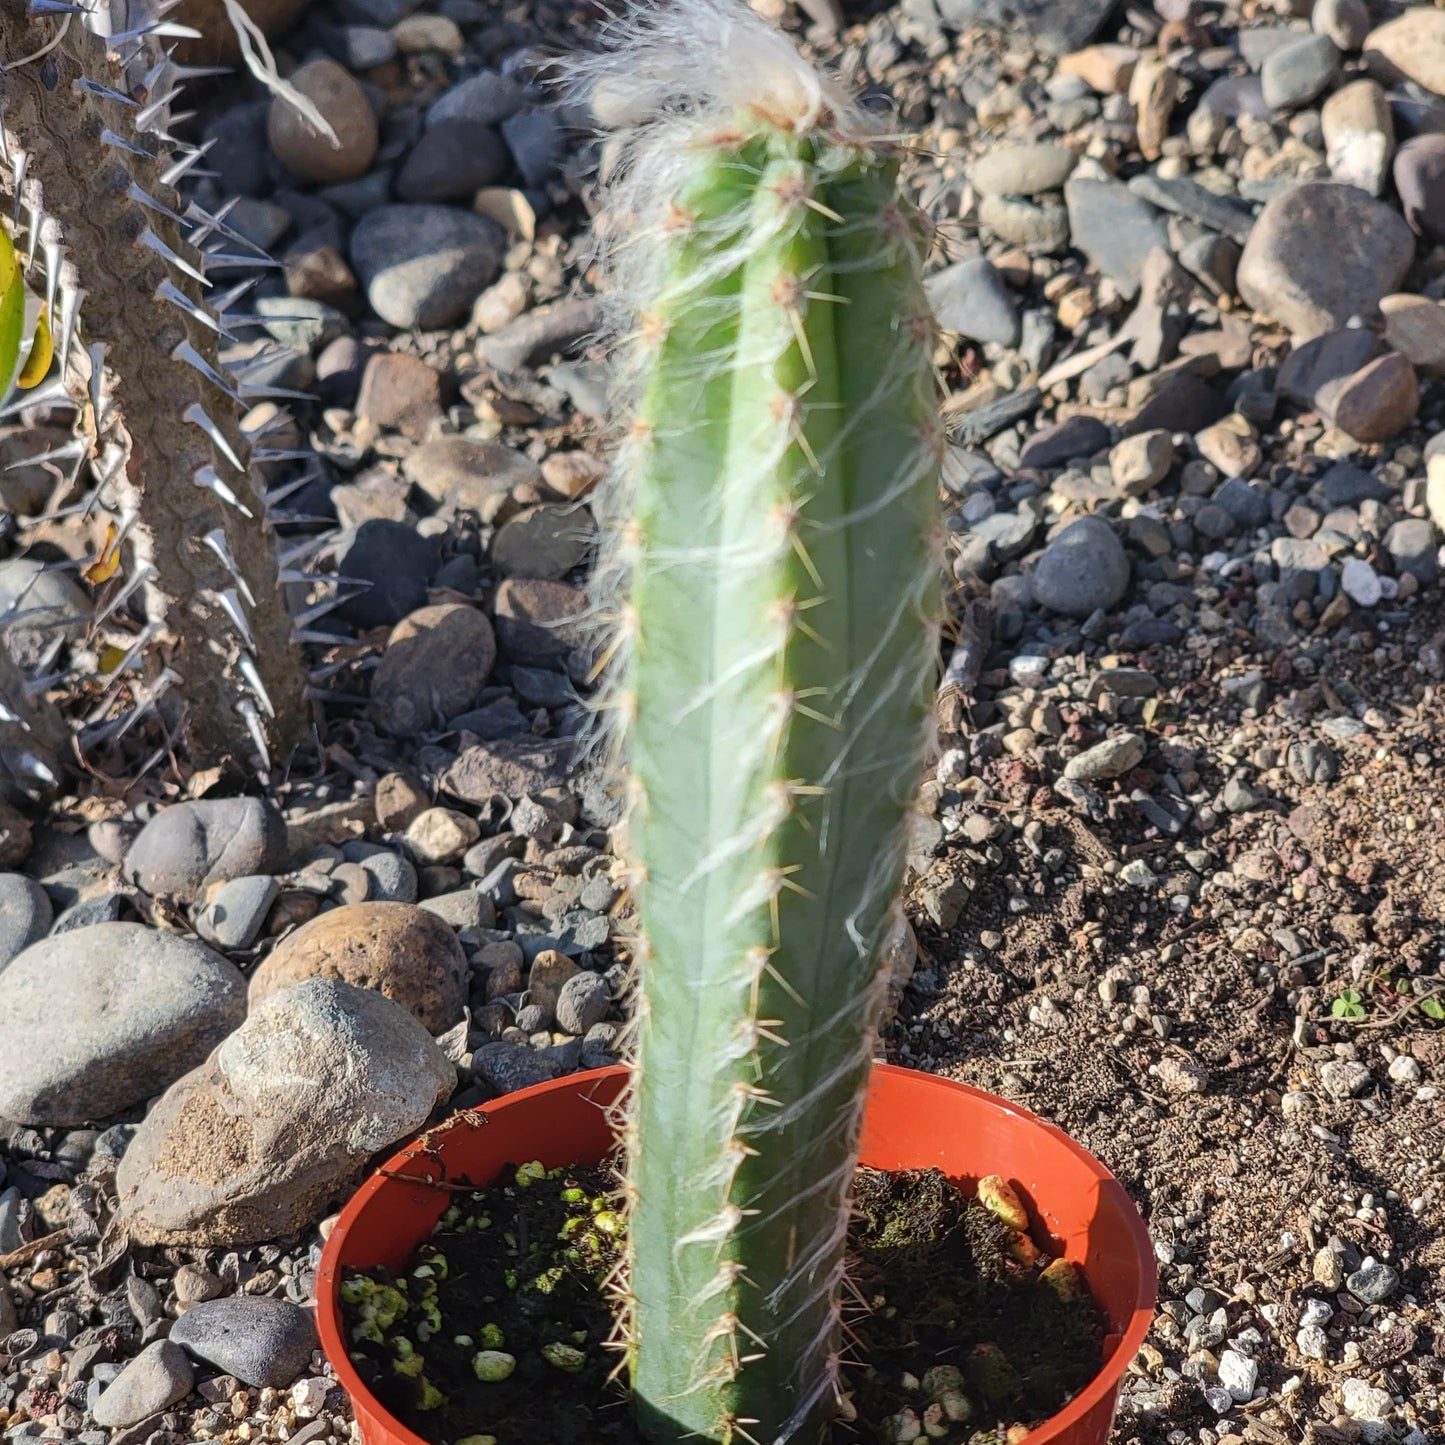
<point x="1405" y="1070"/>
<point x="308" y="1397"/>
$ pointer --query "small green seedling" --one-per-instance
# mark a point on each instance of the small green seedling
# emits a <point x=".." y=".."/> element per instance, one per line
<point x="1349" y="1005"/>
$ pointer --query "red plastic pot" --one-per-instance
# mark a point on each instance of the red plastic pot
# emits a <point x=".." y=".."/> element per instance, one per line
<point x="913" y="1120"/>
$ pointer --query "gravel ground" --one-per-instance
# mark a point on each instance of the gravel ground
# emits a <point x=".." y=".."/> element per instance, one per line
<point x="1176" y="881"/>
<point x="1168" y="1001"/>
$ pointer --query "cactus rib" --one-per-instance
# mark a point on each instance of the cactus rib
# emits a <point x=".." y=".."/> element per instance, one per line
<point x="106" y="202"/>
<point x="772" y="688"/>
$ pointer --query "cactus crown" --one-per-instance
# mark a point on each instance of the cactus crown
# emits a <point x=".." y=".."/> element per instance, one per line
<point x="777" y="587"/>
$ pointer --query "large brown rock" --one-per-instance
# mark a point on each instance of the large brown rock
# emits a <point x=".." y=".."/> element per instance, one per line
<point x="400" y="393"/>
<point x="218" y="44"/>
<point x="507" y="768"/>
<point x="435" y="663"/>
<point x="1420" y="182"/>
<point x="1415" y="327"/>
<point x="546" y="542"/>
<point x="468" y="475"/>
<point x="1410" y="47"/>
<point x="1322" y="253"/>
<point x="342" y="103"/>
<point x="1359" y="135"/>
<point x="1378" y="402"/>
<point x="538" y="621"/>
<point x="264" y="1137"/>
<point x="395" y="948"/>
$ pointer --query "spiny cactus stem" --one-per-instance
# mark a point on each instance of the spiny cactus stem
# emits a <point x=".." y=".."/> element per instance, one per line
<point x="782" y="642"/>
<point x="179" y="415"/>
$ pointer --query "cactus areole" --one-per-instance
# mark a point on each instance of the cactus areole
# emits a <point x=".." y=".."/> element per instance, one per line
<point x="776" y="589"/>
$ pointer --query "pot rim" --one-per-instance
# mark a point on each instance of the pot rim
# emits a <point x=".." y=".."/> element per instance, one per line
<point x="1104" y="1385"/>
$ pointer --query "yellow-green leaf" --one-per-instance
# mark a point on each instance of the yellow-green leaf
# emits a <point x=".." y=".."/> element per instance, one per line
<point x="103" y="567"/>
<point x="42" y="348"/>
<point x="12" y="312"/>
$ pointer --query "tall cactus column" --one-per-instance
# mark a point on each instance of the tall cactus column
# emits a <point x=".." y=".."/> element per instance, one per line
<point x="114" y="225"/>
<point x="779" y="620"/>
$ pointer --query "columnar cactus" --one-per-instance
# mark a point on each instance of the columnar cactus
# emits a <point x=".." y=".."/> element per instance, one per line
<point x="91" y="172"/>
<point x="774" y="658"/>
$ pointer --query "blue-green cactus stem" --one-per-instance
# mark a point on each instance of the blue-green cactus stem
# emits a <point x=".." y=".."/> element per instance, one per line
<point x="781" y="646"/>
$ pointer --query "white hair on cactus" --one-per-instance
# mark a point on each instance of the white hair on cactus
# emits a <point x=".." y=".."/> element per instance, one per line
<point x="655" y="101"/>
<point x="664" y="79"/>
<point x="647" y="67"/>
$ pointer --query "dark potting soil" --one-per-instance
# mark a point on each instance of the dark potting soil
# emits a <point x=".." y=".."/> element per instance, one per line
<point x="497" y="1331"/>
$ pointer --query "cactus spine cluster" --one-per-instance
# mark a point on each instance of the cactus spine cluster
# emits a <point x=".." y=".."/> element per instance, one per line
<point x="91" y="172"/>
<point x="776" y="650"/>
